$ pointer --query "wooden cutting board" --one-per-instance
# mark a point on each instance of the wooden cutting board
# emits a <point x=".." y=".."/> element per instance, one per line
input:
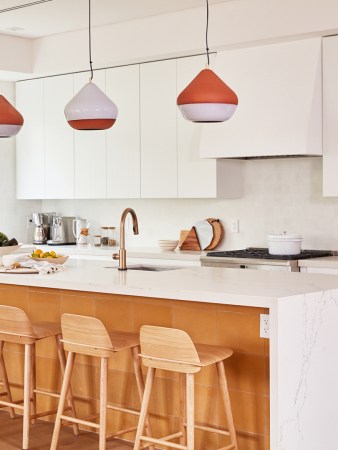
<point x="191" y="241"/>
<point x="218" y="233"/>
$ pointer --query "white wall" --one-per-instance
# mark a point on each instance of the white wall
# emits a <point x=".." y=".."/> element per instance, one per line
<point x="12" y="212"/>
<point x="280" y="195"/>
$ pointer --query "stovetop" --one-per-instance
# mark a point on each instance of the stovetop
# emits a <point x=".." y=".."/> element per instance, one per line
<point x="263" y="253"/>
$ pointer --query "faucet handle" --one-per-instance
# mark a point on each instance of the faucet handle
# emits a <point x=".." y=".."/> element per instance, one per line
<point x="116" y="256"/>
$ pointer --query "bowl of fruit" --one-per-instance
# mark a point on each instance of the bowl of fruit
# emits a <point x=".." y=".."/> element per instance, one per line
<point x="52" y="257"/>
<point x="8" y="246"/>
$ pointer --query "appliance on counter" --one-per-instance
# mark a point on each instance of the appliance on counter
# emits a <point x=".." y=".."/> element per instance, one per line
<point x="40" y="229"/>
<point x="62" y="231"/>
<point x="259" y="259"/>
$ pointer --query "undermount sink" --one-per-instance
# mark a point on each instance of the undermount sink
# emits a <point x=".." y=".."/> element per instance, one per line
<point x="149" y="268"/>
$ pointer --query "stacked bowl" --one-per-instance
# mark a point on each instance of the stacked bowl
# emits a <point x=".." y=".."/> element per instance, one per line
<point x="167" y="245"/>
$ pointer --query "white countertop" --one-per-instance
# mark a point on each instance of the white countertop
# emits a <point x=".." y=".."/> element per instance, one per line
<point x="202" y="284"/>
<point x="141" y="252"/>
<point x="326" y="262"/>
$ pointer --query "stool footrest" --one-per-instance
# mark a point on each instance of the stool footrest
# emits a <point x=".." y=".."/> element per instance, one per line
<point x="211" y="430"/>
<point x="165" y="439"/>
<point x="125" y="410"/>
<point x="70" y="424"/>
<point x="119" y="433"/>
<point x="47" y="413"/>
<point x="50" y="394"/>
<point x="81" y="422"/>
<point x="10" y="404"/>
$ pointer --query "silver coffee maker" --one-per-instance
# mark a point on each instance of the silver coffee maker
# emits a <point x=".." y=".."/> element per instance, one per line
<point x="41" y="227"/>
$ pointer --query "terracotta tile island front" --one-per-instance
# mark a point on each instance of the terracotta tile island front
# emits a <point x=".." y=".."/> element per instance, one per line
<point x="275" y="384"/>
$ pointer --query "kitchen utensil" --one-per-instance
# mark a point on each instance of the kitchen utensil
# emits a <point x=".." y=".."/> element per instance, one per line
<point x="205" y="233"/>
<point x="218" y="232"/>
<point x="191" y="241"/>
<point x="78" y="224"/>
<point x="284" y="244"/>
<point x="57" y="231"/>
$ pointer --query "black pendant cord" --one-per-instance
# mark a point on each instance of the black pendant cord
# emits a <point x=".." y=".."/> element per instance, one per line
<point x="90" y="44"/>
<point x="206" y="33"/>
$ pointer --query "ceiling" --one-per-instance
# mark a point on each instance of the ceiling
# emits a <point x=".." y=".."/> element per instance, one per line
<point x="36" y="18"/>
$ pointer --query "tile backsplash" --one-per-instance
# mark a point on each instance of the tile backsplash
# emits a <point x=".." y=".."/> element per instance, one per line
<point x="279" y="195"/>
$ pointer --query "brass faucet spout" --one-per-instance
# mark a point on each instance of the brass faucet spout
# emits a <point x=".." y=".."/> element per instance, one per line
<point x="122" y="255"/>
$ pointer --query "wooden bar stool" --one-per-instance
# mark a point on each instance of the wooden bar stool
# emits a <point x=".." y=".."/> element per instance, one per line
<point x="88" y="336"/>
<point x="173" y="350"/>
<point x="16" y="327"/>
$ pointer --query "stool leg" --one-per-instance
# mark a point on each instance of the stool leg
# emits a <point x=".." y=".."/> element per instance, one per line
<point x="103" y="402"/>
<point x="4" y="377"/>
<point x="33" y="383"/>
<point x="26" y="395"/>
<point x="62" y="401"/>
<point x="227" y="405"/>
<point x="190" y="411"/>
<point x="140" y="385"/>
<point x="70" y="400"/>
<point x="183" y="438"/>
<point x="144" y="407"/>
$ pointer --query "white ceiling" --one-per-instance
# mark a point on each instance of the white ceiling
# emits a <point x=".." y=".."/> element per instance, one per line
<point x="45" y="17"/>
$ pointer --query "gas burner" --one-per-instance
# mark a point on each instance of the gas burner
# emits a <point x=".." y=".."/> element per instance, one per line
<point x="263" y="253"/>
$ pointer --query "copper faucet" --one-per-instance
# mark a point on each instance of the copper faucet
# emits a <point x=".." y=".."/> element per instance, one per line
<point x="122" y="254"/>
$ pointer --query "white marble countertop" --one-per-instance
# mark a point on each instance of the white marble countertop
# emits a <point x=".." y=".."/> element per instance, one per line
<point x="202" y="284"/>
<point x="141" y="252"/>
<point x="327" y="262"/>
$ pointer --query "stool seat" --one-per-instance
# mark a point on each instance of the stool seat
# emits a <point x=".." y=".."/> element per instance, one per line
<point x="211" y="354"/>
<point x="122" y="340"/>
<point x="43" y="330"/>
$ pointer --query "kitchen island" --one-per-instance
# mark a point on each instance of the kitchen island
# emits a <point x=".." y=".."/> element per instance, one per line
<point x="293" y="374"/>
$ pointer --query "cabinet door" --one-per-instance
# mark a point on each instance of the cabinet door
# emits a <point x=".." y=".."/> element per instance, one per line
<point x="30" y="142"/>
<point x="123" y="139"/>
<point x="330" y="116"/>
<point x="59" y="138"/>
<point x="90" y="150"/>
<point x="196" y="176"/>
<point x="158" y="130"/>
<point x="279" y="111"/>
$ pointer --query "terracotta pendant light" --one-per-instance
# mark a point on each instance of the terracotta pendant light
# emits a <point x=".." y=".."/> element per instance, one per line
<point x="207" y="98"/>
<point x="90" y="108"/>
<point x="11" y="120"/>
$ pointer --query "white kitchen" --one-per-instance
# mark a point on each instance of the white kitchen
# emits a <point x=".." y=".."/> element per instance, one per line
<point x="193" y="232"/>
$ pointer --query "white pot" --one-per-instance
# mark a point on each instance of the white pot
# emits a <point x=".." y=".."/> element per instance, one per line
<point x="284" y="244"/>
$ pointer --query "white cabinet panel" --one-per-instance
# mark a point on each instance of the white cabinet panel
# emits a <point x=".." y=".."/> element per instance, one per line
<point x="59" y="141"/>
<point x="196" y="176"/>
<point x="280" y="102"/>
<point x="123" y="139"/>
<point x="158" y="130"/>
<point x="90" y="150"/>
<point x="330" y="116"/>
<point x="30" y="141"/>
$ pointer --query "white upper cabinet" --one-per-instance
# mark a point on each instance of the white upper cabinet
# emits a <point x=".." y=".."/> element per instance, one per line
<point x="123" y="139"/>
<point x="30" y="141"/>
<point x="158" y="129"/>
<point x="330" y="116"/>
<point x="279" y="87"/>
<point x="90" y="149"/>
<point x="59" y="143"/>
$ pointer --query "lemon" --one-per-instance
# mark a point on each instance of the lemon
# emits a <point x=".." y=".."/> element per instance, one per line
<point x="41" y="255"/>
<point x="46" y="255"/>
<point x="37" y="251"/>
<point x="35" y="255"/>
<point x="52" y="254"/>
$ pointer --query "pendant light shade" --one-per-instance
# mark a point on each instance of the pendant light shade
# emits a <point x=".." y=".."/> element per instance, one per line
<point x="91" y="109"/>
<point x="11" y="120"/>
<point x="207" y="99"/>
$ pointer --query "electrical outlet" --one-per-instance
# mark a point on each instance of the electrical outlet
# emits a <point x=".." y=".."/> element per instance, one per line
<point x="264" y="331"/>
<point x="234" y="226"/>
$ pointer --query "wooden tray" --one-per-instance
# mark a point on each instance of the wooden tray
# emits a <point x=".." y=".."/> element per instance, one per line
<point x="191" y="241"/>
<point x="218" y="233"/>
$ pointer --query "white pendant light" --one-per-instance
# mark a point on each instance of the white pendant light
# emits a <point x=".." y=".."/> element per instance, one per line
<point x="11" y="120"/>
<point x="90" y="108"/>
<point x="207" y="98"/>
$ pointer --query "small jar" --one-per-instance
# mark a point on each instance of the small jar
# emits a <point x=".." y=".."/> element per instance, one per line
<point x="111" y="236"/>
<point x="104" y="235"/>
<point x="97" y="240"/>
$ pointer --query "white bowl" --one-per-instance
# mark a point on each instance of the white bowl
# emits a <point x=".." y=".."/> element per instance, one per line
<point x="167" y="245"/>
<point x="9" y="250"/>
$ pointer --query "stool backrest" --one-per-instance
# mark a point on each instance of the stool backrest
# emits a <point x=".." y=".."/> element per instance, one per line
<point x="86" y="335"/>
<point x="15" y="325"/>
<point x="169" y="349"/>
